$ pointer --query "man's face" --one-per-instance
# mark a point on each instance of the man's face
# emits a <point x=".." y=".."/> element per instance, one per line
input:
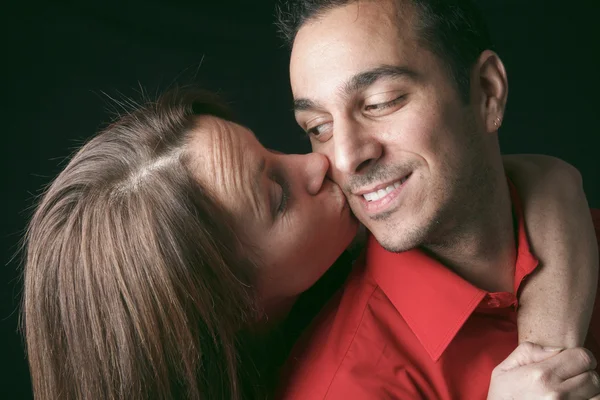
<point x="404" y="148"/>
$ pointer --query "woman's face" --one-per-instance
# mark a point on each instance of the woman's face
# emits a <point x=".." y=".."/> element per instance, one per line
<point x="296" y="219"/>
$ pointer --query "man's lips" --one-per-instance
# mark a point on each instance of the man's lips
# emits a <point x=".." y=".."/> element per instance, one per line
<point x="376" y="199"/>
<point x="380" y="189"/>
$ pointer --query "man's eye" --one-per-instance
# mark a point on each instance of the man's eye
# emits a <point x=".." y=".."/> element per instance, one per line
<point x="383" y="106"/>
<point x="316" y="130"/>
<point x="320" y="132"/>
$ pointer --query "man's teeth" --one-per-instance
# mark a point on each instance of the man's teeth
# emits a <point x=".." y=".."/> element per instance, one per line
<point x="378" y="194"/>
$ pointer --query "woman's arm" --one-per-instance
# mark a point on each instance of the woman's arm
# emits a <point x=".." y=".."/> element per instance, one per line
<point x="557" y="301"/>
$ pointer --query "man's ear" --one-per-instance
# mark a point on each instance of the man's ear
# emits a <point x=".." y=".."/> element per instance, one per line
<point x="489" y="87"/>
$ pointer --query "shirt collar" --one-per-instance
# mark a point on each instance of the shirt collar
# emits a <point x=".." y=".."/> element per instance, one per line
<point x="434" y="301"/>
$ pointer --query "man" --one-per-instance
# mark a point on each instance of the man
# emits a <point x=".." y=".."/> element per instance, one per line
<point x="405" y="98"/>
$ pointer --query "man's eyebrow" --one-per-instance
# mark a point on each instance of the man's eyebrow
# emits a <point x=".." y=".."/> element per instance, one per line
<point x="365" y="79"/>
<point x="361" y="81"/>
<point x="305" y="105"/>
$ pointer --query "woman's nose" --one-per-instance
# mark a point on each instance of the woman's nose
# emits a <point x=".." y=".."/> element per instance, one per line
<point x="316" y="167"/>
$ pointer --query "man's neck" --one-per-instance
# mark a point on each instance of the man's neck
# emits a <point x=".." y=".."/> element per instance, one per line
<point x="482" y="249"/>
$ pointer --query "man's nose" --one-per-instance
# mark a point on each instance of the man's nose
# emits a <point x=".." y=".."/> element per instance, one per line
<point x="354" y="148"/>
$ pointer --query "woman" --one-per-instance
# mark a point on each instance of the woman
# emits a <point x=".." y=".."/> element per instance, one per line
<point x="164" y="252"/>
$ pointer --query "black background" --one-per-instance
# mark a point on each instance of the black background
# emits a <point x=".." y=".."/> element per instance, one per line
<point x="63" y="60"/>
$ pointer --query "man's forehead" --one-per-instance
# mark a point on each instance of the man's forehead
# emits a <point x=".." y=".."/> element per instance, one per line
<point x="382" y="10"/>
<point x="329" y="61"/>
<point x="394" y="15"/>
<point x="344" y="42"/>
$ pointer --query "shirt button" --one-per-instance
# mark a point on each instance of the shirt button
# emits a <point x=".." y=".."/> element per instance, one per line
<point x="489" y="301"/>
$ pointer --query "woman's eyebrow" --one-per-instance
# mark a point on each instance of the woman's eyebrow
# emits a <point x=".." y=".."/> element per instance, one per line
<point x="258" y="173"/>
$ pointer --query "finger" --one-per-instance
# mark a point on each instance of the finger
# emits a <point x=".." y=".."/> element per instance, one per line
<point x="527" y="353"/>
<point x="571" y="362"/>
<point x="584" y="386"/>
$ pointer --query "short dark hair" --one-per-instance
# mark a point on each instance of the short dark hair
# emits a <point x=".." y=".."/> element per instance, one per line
<point x="454" y="30"/>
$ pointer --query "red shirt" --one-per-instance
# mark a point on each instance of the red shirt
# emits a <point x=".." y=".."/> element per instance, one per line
<point x="407" y="327"/>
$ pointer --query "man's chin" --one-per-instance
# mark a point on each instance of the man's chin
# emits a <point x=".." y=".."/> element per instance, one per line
<point x="395" y="247"/>
<point x="402" y="239"/>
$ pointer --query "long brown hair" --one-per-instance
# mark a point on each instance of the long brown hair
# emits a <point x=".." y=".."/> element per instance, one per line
<point x="135" y="287"/>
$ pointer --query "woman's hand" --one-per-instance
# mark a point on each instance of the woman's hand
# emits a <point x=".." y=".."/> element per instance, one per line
<point x="535" y="372"/>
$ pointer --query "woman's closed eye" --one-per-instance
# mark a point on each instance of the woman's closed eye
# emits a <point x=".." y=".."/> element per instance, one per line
<point x="281" y="197"/>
